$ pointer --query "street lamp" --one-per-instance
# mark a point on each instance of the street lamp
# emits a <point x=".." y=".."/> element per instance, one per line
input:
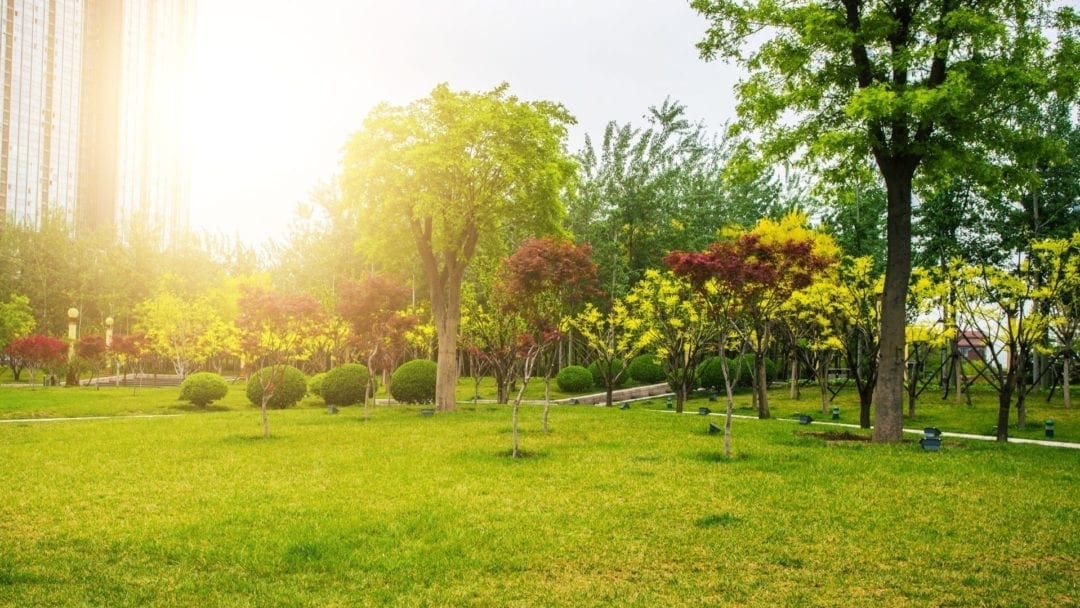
<point x="73" y="317"/>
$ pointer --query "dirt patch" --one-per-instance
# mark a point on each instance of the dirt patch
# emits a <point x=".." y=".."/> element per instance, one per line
<point x="838" y="436"/>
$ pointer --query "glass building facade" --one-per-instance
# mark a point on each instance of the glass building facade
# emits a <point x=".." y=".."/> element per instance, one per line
<point x="95" y="98"/>
<point x="41" y="46"/>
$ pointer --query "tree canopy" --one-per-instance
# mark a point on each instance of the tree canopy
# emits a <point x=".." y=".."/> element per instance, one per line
<point x="457" y="174"/>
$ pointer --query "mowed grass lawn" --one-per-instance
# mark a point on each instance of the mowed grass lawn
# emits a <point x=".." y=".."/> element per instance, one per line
<point x="611" y="508"/>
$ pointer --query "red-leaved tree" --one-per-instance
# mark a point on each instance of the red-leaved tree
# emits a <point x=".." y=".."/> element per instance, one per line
<point x="375" y="309"/>
<point x="38" y="352"/>
<point x="759" y="274"/>
<point x="547" y="279"/>
<point x="91" y="349"/>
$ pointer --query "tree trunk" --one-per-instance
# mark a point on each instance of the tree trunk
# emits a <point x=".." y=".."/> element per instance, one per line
<point x="447" y="322"/>
<point x="608" y="400"/>
<point x="265" y="416"/>
<point x="759" y="377"/>
<point x="888" y="416"/>
<point x="761" y="382"/>
<point x="1004" y="400"/>
<point x="547" y="399"/>
<point x="1066" y="379"/>
<point x="866" y="399"/>
<point x="729" y="409"/>
<point x="823" y="382"/>
<point x="793" y="379"/>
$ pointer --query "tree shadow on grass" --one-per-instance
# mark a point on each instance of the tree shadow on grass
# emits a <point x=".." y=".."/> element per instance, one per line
<point x="187" y="407"/>
<point x="717" y="456"/>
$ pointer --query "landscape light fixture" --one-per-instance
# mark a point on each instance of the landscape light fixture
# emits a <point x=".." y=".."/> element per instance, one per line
<point x="931" y="441"/>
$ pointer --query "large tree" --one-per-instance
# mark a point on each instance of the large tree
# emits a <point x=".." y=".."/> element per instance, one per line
<point x="457" y="174"/>
<point x="910" y="83"/>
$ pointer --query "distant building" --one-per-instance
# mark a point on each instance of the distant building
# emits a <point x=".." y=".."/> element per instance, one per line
<point x="95" y="95"/>
<point x="971" y="344"/>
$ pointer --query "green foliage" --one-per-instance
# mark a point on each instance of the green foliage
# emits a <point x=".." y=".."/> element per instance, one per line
<point x="574" y="379"/>
<point x="615" y="367"/>
<point x="743" y="368"/>
<point x="414" y="382"/>
<point x="345" y="384"/>
<point x="203" y="388"/>
<point x="315" y="384"/>
<point x="650" y="189"/>
<point x="710" y="374"/>
<point x="646" y="369"/>
<point x="286" y="385"/>
<point x="16" y="319"/>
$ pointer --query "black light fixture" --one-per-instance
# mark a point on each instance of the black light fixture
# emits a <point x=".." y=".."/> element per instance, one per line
<point x="835" y="413"/>
<point x="805" y="419"/>
<point x="931" y="440"/>
<point x="713" y="429"/>
<point x="427" y="411"/>
<point x="1049" y="428"/>
<point x="331" y="409"/>
<point x="625" y="405"/>
<point x="704" y="411"/>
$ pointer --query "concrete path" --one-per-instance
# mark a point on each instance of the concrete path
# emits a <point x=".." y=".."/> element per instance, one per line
<point x="76" y="418"/>
<point x="1042" y="442"/>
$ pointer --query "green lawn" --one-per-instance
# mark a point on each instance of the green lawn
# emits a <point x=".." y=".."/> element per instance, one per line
<point x="612" y="508"/>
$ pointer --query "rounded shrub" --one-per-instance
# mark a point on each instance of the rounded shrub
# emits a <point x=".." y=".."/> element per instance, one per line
<point x="203" y="388"/>
<point x="646" y="369"/>
<point x="742" y="367"/>
<point x="414" y="382"/>
<point x="345" y="384"/>
<point x="574" y="379"/>
<point x="314" y="384"/>
<point x="290" y="386"/>
<point x="598" y="379"/>
<point x="710" y="374"/>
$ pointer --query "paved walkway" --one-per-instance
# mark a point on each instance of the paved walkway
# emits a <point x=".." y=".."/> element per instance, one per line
<point x="74" y="418"/>
<point x="1042" y="442"/>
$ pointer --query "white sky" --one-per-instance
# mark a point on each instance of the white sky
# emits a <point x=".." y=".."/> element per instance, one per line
<point x="281" y="84"/>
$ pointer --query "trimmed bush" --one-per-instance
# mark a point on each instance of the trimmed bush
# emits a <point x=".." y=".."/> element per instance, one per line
<point x="315" y="383"/>
<point x="646" y="369"/>
<point x="345" y="384"/>
<point x="710" y="374"/>
<point x="574" y="379"/>
<point x="598" y="379"/>
<point x="203" y="388"/>
<point x="414" y="382"/>
<point x="746" y="374"/>
<point x="291" y="386"/>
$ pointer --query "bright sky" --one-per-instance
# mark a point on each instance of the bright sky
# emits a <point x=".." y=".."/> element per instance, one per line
<point x="282" y="84"/>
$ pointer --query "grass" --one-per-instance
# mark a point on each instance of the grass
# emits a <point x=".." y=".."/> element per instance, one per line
<point x="627" y="508"/>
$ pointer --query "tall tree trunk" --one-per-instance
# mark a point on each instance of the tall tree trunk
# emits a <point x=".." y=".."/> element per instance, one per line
<point x="793" y="378"/>
<point x="823" y="381"/>
<point x="1004" y="401"/>
<point x="446" y="306"/>
<point x="730" y="407"/>
<point x="547" y="397"/>
<point x="888" y="416"/>
<point x="761" y="382"/>
<point x="1066" y="380"/>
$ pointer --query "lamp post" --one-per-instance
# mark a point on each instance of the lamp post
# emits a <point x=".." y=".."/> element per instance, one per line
<point x="73" y="317"/>
<point x="108" y="346"/>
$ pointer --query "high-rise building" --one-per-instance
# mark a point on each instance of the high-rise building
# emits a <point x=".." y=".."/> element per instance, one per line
<point x="97" y="92"/>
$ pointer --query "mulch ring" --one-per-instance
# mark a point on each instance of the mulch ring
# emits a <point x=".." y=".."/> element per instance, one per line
<point x="837" y="436"/>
